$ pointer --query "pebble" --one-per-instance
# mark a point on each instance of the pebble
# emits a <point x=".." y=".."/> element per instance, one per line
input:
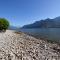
<point x="15" y="46"/>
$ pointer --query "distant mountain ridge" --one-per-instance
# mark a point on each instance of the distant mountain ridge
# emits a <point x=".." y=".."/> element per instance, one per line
<point x="47" y="23"/>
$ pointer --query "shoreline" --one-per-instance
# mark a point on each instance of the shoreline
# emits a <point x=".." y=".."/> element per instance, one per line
<point x="18" y="46"/>
<point x="45" y="39"/>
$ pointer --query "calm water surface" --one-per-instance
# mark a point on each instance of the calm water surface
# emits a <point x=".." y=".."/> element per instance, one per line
<point x="46" y="33"/>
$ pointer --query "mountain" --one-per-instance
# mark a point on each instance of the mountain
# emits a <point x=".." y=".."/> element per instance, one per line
<point x="57" y="18"/>
<point x="46" y="23"/>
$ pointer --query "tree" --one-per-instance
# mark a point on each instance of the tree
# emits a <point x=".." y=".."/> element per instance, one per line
<point x="4" y="24"/>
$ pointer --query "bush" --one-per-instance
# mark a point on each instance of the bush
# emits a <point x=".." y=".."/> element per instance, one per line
<point x="4" y="24"/>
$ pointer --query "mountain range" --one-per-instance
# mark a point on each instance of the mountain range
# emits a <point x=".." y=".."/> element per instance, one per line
<point x="46" y="23"/>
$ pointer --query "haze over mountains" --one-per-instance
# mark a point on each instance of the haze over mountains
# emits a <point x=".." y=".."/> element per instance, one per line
<point x="46" y="23"/>
<point x="12" y="28"/>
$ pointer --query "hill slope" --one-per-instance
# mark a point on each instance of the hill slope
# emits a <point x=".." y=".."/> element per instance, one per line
<point x="47" y="23"/>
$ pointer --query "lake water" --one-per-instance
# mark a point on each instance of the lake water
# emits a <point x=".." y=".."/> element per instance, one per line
<point x="45" y="33"/>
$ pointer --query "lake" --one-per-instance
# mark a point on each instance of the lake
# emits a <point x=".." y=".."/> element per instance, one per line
<point x="44" y="33"/>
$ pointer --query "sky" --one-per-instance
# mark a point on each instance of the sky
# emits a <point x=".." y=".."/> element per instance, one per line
<point x="22" y="12"/>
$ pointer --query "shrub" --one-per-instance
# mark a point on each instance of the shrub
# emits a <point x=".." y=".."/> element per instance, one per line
<point x="4" y="24"/>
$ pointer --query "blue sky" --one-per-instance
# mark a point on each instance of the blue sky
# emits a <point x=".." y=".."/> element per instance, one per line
<point x="21" y="12"/>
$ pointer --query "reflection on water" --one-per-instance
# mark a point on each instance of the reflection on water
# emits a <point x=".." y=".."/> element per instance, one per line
<point x="47" y="33"/>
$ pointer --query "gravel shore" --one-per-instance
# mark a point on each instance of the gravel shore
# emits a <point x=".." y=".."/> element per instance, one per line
<point x="20" y="46"/>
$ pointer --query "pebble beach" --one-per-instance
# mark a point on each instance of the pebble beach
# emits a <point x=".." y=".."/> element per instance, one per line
<point x="20" y="46"/>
